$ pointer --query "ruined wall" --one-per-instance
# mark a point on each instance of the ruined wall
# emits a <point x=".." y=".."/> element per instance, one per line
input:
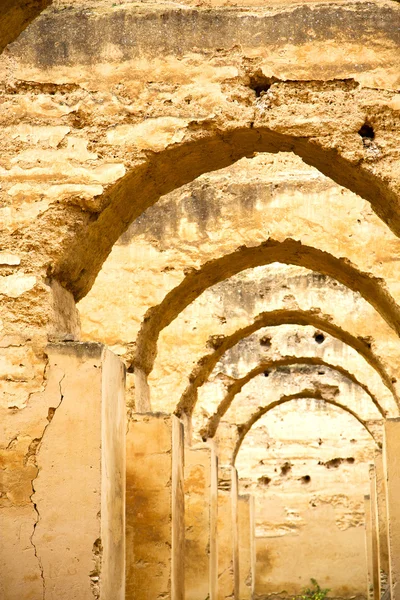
<point x="307" y="465"/>
<point x="294" y="516"/>
<point x="105" y="107"/>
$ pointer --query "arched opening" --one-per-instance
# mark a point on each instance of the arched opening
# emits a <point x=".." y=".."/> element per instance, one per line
<point x="277" y="318"/>
<point x="265" y="369"/>
<point x="303" y="473"/>
<point x="157" y="176"/>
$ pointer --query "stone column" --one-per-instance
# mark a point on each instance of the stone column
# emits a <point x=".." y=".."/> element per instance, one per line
<point x="214" y="528"/>
<point x="368" y="546"/>
<point x="253" y="545"/>
<point x="226" y="580"/>
<point x="391" y="462"/>
<point x="79" y="493"/>
<point x="246" y="546"/>
<point x="201" y="486"/>
<point x="382" y="513"/>
<point x="235" y="531"/>
<point x="228" y="548"/>
<point x="155" y="526"/>
<point x="376" y="570"/>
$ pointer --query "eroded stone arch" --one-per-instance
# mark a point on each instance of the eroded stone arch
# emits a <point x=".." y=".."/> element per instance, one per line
<point x="211" y="426"/>
<point x="273" y="318"/>
<point x="209" y="147"/>
<point x="287" y="252"/>
<point x="245" y="427"/>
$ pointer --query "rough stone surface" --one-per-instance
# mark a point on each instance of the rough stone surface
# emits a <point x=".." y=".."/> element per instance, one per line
<point x="155" y="508"/>
<point x="216" y="184"/>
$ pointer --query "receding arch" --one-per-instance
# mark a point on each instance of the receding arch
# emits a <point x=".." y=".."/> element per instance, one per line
<point x="244" y="428"/>
<point x="287" y="252"/>
<point x="204" y="367"/>
<point x="207" y="148"/>
<point x="236" y="387"/>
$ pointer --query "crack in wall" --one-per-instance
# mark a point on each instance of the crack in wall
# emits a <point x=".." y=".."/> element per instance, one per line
<point x="33" y="451"/>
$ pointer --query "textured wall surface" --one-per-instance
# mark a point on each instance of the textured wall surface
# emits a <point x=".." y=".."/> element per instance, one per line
<point x="210" y="188"/>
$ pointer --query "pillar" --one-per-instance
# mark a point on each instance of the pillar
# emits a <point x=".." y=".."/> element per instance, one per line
<point x="382" y="513"/>
<point x="79" y="493"/>
<point x="253" y="545"/>
<point x="235" y="531"/>
<point x="391" y="463"/>
<point x="201" y="487"/>
<point x="246" y="546"/>
<point x="368" y="545"/>
<point x="155" y="526"/>
<point x="228" y="571"/>
<point x="226" y="581"/>
<point x="376" y="571"/>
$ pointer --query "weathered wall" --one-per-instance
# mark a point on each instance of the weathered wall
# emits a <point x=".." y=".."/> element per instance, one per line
<point x="155" y="508"/>
<point x="307" y="465"/>
<point x="213" y="217"/>
<point x="63" y="513"/>
<point x="15" y="16"/>
<point x="105" y="107"/>
<point x="200" y="521"/>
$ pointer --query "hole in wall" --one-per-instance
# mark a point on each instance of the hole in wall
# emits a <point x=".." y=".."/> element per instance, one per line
<point x="334" y="463"/>
<point x="265" y="341"/>
<point x="367" y="340"/>
<point x="286" y="468"/>
<point x="264" y="479"/>
<point x="366" y="131"/>
<point x="260" y="83"/>
<point x="319" y="337"/>
<point x="305" y="479"/>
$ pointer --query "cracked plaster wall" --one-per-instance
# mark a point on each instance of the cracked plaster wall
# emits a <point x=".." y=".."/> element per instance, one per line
<point x="63" y="472"/>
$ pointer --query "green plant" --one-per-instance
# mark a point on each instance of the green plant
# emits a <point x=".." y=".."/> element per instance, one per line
<point x="314" y="593"/>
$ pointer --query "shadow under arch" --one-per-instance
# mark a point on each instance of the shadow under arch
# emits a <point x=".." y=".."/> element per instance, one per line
<point x="206" y="364"/>
<point x="209" y="150"/>
<point x="211" y="427"/>
<point x="287" y="252"/>
<point x="244" y="428"/>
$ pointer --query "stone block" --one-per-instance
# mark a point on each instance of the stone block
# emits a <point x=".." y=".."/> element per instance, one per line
<point x="376" y="571"/>
<point x="368" y="546"/>
<point x="382" y="513"/>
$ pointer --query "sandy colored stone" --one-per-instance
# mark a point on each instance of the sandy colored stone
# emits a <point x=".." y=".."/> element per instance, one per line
<point x="200" y="519"/>
<point x="246" y="546"/>
<point x="199" y="175"/>
<point x="226" y="579"/>
<point x="382" y="512"/>
<point x="390" y="462"/>
<point x="376" y="566"/>
<point x="155" y="508"/>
